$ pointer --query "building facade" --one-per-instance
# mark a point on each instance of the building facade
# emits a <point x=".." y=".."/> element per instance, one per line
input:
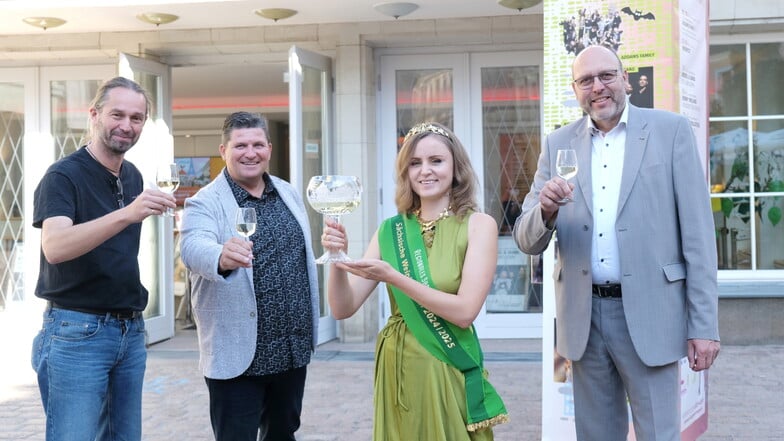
<point x="481" y="75"/>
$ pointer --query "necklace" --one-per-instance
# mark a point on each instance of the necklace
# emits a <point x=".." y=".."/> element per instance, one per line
<point x="114" y="172"/>
<point x="428" y="228"/>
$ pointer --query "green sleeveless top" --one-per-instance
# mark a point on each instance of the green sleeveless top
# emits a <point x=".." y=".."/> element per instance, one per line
<point x="445" y="256"/>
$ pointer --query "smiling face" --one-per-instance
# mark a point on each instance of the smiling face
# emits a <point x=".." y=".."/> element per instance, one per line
<point x="604" y="103"/>
<point x="247" y="154"/>
<point x="431" y="170"/>
<point x="118" y="123"/>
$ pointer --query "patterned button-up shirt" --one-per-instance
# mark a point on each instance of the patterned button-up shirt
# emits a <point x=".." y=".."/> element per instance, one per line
<point x="280" y="281"/>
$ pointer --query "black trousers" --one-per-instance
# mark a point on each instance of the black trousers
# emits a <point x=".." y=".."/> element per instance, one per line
<point x="269" y="405"/>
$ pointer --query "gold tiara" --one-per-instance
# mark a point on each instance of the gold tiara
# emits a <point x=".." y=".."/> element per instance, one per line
<point x="426" y="127"/>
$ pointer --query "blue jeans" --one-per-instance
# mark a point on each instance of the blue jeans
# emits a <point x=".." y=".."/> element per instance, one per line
<point x="90" y="374"/>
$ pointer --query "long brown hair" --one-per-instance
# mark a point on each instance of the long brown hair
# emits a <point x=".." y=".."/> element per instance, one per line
<point x="464" y="180"/>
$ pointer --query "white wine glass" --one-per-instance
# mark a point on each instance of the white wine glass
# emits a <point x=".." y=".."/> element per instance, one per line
<point x="167" y="178"/>
<point x="333" y="196"/>
<point x="246" y="222"/>
<point x="566" y="167"/>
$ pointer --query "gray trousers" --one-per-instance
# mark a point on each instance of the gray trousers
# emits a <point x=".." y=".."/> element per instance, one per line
<point x="609" y="372"/>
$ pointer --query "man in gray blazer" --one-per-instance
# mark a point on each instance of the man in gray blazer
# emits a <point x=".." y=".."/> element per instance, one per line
<point x="635" y="280"/>
<point x="255" y="303"/>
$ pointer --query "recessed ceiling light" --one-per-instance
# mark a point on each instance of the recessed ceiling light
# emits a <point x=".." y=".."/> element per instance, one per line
<point x="275" y="14"/>
<point x="518" y="4"/>
<point x="44" y="22"/>
<point x="157" y="18"/>
<point x="395" y="9"/>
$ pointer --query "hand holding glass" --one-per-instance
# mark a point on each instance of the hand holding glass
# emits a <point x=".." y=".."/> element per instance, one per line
<point x="167" y="178"/>
<point x="566" y="167"/>
<point x="334" y="195"/>
<point x="246" y="221"/>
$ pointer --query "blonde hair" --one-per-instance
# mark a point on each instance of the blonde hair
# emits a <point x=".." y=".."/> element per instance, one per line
<point x="462" y="197"/>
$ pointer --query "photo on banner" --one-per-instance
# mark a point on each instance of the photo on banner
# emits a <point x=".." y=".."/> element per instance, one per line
<point x="664" y="49"/>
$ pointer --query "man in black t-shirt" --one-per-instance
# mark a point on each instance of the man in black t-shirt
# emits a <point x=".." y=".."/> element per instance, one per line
<point x="90" y="355"/>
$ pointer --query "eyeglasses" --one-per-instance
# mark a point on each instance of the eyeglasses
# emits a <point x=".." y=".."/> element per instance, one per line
<point x="605" y="77"/>
<point x="119" y="195"/>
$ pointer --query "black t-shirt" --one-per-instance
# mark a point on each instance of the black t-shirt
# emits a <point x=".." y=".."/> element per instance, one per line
<point x="107" y="277"/>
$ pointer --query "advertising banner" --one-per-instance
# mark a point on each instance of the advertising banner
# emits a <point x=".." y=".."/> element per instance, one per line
<point x="664" y="48"/>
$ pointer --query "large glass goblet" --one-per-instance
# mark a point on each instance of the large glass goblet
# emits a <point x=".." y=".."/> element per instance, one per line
<point x="333" y="196"/>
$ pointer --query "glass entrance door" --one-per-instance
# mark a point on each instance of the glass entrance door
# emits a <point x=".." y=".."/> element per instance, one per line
<point x="20" y="314"/>
<point x="155" y="147"/>
<point x="491" y="101"/>
<point x="505" y="101"/>
<point x="310" y="132"/>
<point x="43" y="115"/>
<point x="16" y="102"/>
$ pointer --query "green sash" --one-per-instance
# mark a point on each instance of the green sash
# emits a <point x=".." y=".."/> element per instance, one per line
<point x="403" y="248"/>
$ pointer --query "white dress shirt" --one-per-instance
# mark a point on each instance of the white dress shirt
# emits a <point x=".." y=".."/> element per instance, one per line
<point x="606" y="170"/>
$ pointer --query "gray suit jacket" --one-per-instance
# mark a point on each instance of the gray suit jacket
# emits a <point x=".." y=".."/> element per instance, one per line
<point x="665" y="236"/>
<point x="225" y="308"/>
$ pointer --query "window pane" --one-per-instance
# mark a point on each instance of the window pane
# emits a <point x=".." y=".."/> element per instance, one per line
<point x="727" y="80"/>
<point x="149" y="255"/>
<point x="769" y="178"/>
<point x="511" y="135"/>
<point x="421" y="96"/>
<point x="770" y="234"/>
<point x="152" y="84"/>
<point x="70" y="100"/>
<point x="769" y="156"/>
<point x="511" y="145"/>
<point x="729" y="157"/>
<point x="12" y="217"/>
<point x="733" y="233"/>
<point x="767" y="70"/>
<point x="313" y="161"/>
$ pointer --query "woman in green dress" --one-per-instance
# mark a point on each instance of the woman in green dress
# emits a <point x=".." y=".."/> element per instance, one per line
<point x="437" y="259"/>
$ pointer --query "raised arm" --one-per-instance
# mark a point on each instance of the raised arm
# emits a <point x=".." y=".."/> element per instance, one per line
<point x="62" y="241"/>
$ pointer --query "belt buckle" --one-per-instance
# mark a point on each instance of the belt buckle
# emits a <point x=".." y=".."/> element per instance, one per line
<point x="605" y="291"/>
<point x="130" y="315"/>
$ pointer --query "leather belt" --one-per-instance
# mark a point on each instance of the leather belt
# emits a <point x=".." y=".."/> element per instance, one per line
<point x="605" y="291"/>
<point x="125" y="314"/>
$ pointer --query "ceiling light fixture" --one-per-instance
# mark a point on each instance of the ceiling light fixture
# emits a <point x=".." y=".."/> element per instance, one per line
<point x="157" y="18"/>
<point x="44" y="22"/>
<point x="518" y="4"/>
<point x="275" y="14"/>
<point x="395" y="9"/>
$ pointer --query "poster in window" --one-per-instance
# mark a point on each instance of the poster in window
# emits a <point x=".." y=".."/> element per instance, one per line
<point x="510" y="283"/>
<point x="195" y="172"/>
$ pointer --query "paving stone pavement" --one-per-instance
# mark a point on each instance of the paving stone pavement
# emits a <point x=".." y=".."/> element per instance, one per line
<point x="745" y="399"/>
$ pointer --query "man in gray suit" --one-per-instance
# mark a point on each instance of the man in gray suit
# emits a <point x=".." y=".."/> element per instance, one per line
<point x="635" y="280"/>
<point x="255" y="303"/>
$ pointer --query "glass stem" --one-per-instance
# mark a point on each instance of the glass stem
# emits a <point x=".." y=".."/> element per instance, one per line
<point x="336" y="219"/>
